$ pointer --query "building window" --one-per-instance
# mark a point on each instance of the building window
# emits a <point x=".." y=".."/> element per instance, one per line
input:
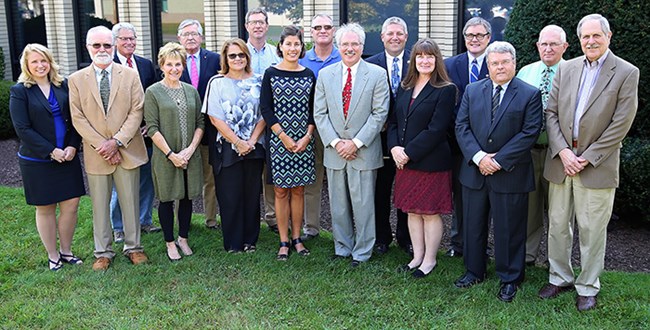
<point x="371" y="14"/>
<point x="27" y="25"/>
<point x="281" y="13"/>
<point x="87" y="16"/>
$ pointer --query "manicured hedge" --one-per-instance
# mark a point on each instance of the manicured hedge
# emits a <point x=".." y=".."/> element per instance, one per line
<point x="633" y="194"/>
<point x="6" y="127"/>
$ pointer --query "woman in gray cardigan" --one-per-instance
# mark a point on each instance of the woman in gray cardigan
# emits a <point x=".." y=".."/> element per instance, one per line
<point x="175" y="125"/>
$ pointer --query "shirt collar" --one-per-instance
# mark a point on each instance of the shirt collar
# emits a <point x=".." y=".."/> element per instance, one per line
<point x="503" y="86"/>
<point x="123" y="58"/>
<point x="389" y="58"/>
<point x="98" y="71"/>
<point x="479" y="59"/>
<point x="598" y="63"/>
<point x="353" y="68"/>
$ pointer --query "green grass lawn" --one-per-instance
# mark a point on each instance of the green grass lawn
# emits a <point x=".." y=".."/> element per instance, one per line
<point x="213" y="289"/>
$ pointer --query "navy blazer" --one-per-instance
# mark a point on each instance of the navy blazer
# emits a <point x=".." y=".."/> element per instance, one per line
<point x="32" y="117"/>
<point x="380" y="59"/>
<point x="421" y="128"/>
<point x="146" y="70"/>
<point x="511" y="135"/>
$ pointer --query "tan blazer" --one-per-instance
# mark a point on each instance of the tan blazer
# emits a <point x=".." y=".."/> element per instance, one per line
<point x="607" y="118"/>
<point x="122" y="121"/>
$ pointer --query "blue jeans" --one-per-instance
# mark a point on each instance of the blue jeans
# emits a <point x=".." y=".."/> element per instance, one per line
<point x="146" y="198"/>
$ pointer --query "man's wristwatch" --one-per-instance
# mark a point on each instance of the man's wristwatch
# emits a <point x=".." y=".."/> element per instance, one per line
<point x="119" y="143"/>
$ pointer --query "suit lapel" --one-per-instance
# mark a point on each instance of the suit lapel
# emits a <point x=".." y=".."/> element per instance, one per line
<point x="604" y="77"/>
<point x="484" y="70"/>
<point x="116" y="81"/>
<point x="424" y="93"/>
<point x="486" y="111"/>
<point x="92" y="83"/>
<point x="337" y="88"/>
<point x="462" y="71"/>
<point x="204" y="65"/>
<point x="357" y="87"/>
<point x="35" y="92"/>
<point x="505" y="102"/>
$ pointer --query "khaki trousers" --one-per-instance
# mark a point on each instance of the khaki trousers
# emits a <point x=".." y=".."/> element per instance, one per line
<point x="537" y="201"/>
<point x="209" y="191"/>
<point x="592" y="209"/>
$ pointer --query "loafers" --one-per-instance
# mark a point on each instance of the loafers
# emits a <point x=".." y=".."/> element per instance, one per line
<point x="355" y="263"/>
<point x="101" y="264"/>
<point x="381" y="248"/>
<point x="507" y="292"/>
<point x="138" y="257"/>
<point x="468" y="280"/>
<point x="585" y="303"/>
<point x="420" y="274"/>
<point x="307" y="237"/>
<point x="453" y="253"/>
<point x="551" y="291"/>
<point x="148" y="229"/>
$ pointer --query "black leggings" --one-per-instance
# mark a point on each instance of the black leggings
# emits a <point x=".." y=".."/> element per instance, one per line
<point x="166" y="215"/>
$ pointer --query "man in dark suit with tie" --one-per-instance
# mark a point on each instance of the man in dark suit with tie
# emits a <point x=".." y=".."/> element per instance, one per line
<point x="201" y="65"/>
<point x="125" y="43"/>
<point x="464" y="69"/>
<point x="497" y="124"/>
<point x="394" y="59"/>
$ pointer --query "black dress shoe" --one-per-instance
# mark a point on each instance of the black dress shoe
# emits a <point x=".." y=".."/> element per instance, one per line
<point x="420" y="274"/>
<point x="381" y="248"/>
<point x="405" y="268"/>
<point x="453" y="253"/>
<point x="355" y="263"/>
<point x="307" y="237"/>
<point x="335" y="257"/>
<point x="507" y="292"/>
<point x="468" y="280"/>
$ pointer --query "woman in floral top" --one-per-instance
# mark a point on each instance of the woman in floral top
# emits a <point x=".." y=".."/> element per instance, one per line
<point x="237" y="158"/>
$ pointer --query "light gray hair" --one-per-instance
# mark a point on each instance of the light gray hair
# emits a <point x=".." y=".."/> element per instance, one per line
<point x="501" y="47"/>
<point x="123" y="26"/>
<point x="604" y="24"/>
<point x="258" y="10"/>
<point x="350" y="27"/>
<point x="324" y="16"/>
<point x="99" y="29"/>
<point x="188" y="22"/>
<point x="478" y="21"/>
<point x="553" y="28"/>
<point x="394" y="20"/>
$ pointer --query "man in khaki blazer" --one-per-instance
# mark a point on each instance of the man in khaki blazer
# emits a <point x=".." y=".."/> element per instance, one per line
<point x="109" y="124"/>
<point x="590" y="110"/>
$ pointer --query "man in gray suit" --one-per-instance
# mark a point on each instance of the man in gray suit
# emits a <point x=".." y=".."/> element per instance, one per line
<point x="350" y="108"/>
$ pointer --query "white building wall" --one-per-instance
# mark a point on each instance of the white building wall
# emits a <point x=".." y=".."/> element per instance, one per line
<point x="220" y="23"/>
<point x="4" y="42"/>
<point x="59" y="25"/>
<point x="313" y="7"/>
<point x="438" y="22"/>
<point x="136" y="12"/>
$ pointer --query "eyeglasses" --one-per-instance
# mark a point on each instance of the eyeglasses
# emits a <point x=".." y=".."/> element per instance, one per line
<point x="351" y="44"/>
<point x="190" y="34"/>
<point x="234" y="56"/>
<point x="131" y="39"/>
<point x="258" y="22"/>
<point x="496" y="64"/>
<point x="478" y="36"/>
<point x="551" y="44"/>
<point x="98" y="46"/>
<point x="320" y="27"/>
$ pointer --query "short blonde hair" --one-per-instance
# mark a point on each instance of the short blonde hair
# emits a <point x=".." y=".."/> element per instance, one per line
<point x="169" y="50"/>
<point x="26" y="77"/>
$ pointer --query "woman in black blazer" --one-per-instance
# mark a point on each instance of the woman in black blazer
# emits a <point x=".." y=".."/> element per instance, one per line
<point x="48" y="159"/>
<point x="417" y="139"/>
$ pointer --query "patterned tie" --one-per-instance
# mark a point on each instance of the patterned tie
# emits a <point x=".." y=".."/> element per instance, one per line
<point x="545" y="85"/>
<point x="104" y="90"/>
<point x="347" y="93"/>
<point x="194" y="72"/>
<point x="129" y="62"/>
<point x="496" y="100"/>
<point x="473" y="76"/>
<point x="394" y="76"/>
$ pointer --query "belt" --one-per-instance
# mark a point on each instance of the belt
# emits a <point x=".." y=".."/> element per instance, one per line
<point x="575" y="144"/>
<point x="540" y="146"/>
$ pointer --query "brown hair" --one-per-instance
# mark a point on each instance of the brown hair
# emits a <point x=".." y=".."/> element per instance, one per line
<point x="26" y="77"/>
<point x="291" y="30"/>
<point x="439" y="76"/>
<point x="225" y="68"/>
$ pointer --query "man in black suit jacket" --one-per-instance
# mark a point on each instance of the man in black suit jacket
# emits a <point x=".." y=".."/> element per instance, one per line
<point x="125" y="43"/>
<point x="394" y="34"/>
<point x="498" y="123"/>
<point x="462" y="71"/>
<point x="207" y="64"/>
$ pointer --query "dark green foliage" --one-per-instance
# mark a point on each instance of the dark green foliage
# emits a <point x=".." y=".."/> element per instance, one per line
<point x="2" y="63"/>
<point x="6" y="127"/>
<point x="628" y="21"/>
<point x="633" y="195"/>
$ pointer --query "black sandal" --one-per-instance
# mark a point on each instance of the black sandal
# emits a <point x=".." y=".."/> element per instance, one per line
<point x="55" y="265"/>
<point x="284" y="256"/>
<point x="304" y="252"/>
<point x="70" y="259"/>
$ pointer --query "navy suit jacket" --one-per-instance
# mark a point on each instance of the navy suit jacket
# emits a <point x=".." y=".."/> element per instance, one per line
<point x="511" y="135"/>
<point x="458" y="71"/>
<point x="210" y="66"/>
<point x="146" y="70"/>
<point x="380" y="59"/>
<point x="421" y="128"/>
<point x="32" y="117"/>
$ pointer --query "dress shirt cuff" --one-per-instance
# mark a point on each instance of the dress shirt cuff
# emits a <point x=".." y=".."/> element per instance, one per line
<point x="495" y="161"/>
<point x="357" y="143"/>
<point x="478" y="156"/>
<point x="334" y="142"/>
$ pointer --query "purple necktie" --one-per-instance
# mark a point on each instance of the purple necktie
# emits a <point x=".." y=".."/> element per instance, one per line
<point x="194" y="72"/>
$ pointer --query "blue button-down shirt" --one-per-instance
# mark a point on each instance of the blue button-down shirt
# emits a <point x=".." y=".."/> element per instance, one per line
<point x="314" y="63"/>
<point x="264" y="58"/>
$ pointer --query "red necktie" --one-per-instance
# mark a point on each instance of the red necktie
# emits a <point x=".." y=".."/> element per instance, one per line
<point x="129" y="62"/>
<point x="347" y="93"/>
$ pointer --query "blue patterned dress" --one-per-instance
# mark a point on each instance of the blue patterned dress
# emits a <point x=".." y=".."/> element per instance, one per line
<point x="287" y="98"/>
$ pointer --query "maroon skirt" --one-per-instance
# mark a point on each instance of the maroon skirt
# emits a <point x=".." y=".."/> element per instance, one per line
<point x="423" y="192"/>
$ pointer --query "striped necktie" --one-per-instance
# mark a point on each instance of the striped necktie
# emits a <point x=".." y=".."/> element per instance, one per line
<point x="473" y="76"/>
<point x="496" y="100"/>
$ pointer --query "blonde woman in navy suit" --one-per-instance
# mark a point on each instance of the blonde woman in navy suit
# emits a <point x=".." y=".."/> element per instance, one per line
<point x="417" y="140"/>
<point x="48" y="159"/>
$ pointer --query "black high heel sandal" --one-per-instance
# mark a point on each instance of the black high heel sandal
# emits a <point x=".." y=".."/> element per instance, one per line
<point x="284" y="256"/>
<point x="70" y="259"/>
<point x="304" y="252"/>
<point x="55" y="265"/>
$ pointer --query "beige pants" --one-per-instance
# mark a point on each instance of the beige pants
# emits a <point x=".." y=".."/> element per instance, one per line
<point x="537" y="201"/>
<point x="209" y="191"/>
<point x="592" y="209"/>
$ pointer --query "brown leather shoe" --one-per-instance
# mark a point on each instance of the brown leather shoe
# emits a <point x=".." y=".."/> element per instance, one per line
<point x="101" y="264"/>
<point x="585" y="303"/>
<point x="138" y="258"/>
<point x="552" y="291"/>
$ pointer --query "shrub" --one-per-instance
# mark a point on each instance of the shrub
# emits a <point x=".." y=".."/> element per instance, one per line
<point x="633" y="194"/>
<point x="630" y="29"/>
<point x="2" y="64"/>
<point x="6" y="127"/>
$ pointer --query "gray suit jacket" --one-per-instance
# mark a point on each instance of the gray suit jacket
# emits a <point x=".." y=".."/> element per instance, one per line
<point x="366" y="115"/>
<point x="607" y="118"/>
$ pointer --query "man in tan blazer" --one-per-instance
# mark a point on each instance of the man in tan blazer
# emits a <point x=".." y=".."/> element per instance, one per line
<point x="590" y="110"/>
<point x="106" y="104"/>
